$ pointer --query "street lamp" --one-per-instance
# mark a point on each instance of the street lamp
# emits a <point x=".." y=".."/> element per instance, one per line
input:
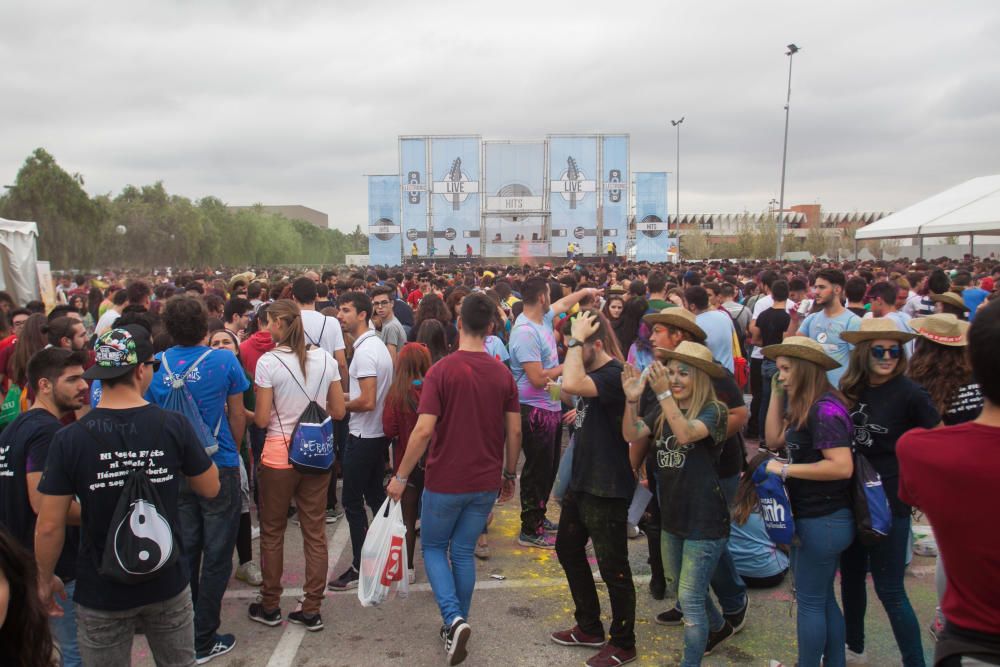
<point x="677" y="182"/>
<point x="792" y="50"/>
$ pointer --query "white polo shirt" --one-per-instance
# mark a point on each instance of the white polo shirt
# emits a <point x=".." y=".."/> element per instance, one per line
<point x="371" y="359"/>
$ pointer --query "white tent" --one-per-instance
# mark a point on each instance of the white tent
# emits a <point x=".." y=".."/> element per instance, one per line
<point x="18" y="254"/>
<point x="970" y="208"/>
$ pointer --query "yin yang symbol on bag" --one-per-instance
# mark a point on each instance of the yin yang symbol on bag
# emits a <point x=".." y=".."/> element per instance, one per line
<point x="143" y="539"/>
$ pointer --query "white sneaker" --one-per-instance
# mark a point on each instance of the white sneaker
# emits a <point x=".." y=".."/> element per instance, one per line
<point x="249" y="572"/>
<point x="855" y="658"/>
<point x="411" y="575"/>
<point x="254" y="532"/>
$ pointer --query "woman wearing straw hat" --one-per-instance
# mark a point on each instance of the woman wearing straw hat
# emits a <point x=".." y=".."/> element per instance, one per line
<point x="816" y="429"/>
<point x="688" y="426"/>
<point x="884" y="404"/>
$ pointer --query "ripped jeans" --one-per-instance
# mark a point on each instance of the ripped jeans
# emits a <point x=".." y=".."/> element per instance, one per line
<point x="688" y="566"/>
<point x="541" y="436"/>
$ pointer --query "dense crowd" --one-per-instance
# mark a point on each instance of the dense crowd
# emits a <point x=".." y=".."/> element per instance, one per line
<point x="152" y="428"/>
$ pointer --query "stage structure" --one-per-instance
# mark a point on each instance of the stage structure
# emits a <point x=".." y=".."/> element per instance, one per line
<point x="510" y="199"/>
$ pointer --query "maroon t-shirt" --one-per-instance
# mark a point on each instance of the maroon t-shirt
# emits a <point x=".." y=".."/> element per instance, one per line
<point x="951" y="475"/>
<point x="469" y="393"/>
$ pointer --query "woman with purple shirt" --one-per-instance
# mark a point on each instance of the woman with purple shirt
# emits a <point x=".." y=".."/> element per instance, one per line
<point x="808" y="417"/>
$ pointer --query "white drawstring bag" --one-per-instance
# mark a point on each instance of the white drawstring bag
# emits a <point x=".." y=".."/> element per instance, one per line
<point x="384" y="557"/>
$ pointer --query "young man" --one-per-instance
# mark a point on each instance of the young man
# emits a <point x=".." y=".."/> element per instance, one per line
<point x="118" y="303"/>
<point x="90" y="460"/>
<point x="534" y="362"/>
<point x="855" y="289"/>
<point x="236" y="316"/>
<point x="56" y="378"/>
<point x="740" y="313"/>
<point x="657" y="286"/>
<point x="208" y="526"/>
<point x="719" y="326"/>
<point x="363" y="459"/>
<point x="393" y="334"/>
<point x="946" y="472"/>
<point x="760" y="303"/>
<point x="596" y="502"/>
<point x="826" y="325"/>
<point x="320" y="330"/>
<point x="469" y="403"/>
<point x="67" y="333"/>
<point x="771" y="327"/>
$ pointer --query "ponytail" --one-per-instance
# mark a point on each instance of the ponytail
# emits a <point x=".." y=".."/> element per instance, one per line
<point x="288" y="312"/>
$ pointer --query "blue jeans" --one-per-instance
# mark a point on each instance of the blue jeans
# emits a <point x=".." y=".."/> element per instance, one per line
<point x="208" y="535"/>
<point x="363" y="466"/>
<point x="64" y="629"/>
<point x="887" y="560"/>
<point x="767" y="371"/>
<point x="450" y="524"/>
<point x="819" y="623"/>
<point x="688" y="565"/>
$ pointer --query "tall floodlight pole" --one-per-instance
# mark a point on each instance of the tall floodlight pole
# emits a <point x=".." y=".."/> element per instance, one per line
<point x="792" y="50"/>
<point x="677" y="184"/>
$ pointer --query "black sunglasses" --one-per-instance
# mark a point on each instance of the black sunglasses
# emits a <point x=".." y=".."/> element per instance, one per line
<point x="155" y="363"/>
<point x="878" y="352"/>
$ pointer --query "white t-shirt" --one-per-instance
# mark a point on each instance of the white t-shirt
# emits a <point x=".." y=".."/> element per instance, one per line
<point x="107" y="319"/>
<point x="289" y="400"/>
<point x="322" y="331"/>
<point x="371" y="359"/>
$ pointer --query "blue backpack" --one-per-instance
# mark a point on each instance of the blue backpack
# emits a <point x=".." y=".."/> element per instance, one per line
<point x="775" y="508"/>
<point x="872" y="514"/>
<point x="181" y="400"/>
<point x="310" y="448"/>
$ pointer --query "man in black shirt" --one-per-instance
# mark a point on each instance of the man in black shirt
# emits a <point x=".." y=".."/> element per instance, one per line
<point x="771" y="326"/>
<point x="596" y="503"/>
<point x="55" y="376"/>
<point x="91" y="459"/>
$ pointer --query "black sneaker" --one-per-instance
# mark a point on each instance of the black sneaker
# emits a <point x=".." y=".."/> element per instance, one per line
<point x="455" y="641"/>
<point x="717" y="637"/>
<point x="221" y="645"/>
<point x="313" y="622"/>
<point x="346" y="581"/>
<point x="549" y="527"/>
<point x="739" y="619"/>
<point x="261" y="615"/>
<point x="672" y="616"/>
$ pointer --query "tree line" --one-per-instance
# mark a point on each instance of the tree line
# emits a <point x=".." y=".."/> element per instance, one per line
<point x="145" y="226"/>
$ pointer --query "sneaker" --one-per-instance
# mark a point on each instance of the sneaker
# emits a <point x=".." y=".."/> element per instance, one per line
<point x="658" y="588"/>
<point x="249" y="573"/>
<point x="255" y="532"/>
<point x="672" y="616"/>
<point x="482" y="551"/>
<point x="576" y="637"/>
<point x="261" y="615"/>
<point x="549" y="527"/>
<point x="635" y="532"/>
<point x="855" y="658"/>
<point x="739" y="619"/>
<point x="719" y="636"/>
<point x="612" y="656"/>
<point x="222" y="645"/>
<point x="411" y="576"/>
<point x="349" y="579"/>
<point x="537" y="541"/>
<point x="313" y="622"/>
<point x="333" y="515"/>
<point x="456" y="640"/>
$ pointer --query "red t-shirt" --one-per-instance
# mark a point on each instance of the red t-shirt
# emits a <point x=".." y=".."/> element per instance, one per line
<point x="414" y="297"/>
<point x="469" y="393"/>
<point x="952" y="475"/>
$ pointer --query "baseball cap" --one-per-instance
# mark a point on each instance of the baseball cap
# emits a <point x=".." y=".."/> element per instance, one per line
<point x="119" y="351"/>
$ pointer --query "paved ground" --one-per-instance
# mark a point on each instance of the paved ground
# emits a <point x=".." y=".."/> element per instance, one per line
<point x="511" y="618"/>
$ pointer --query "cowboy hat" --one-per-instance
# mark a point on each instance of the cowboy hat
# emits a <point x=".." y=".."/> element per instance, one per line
<point x="876" y="328"/>
<point x="246" y="276"/>
<point x="677" y="317"/>
<point x="950" y="298"/>
<point x="942" y="328"/>
<point x="801" y="347"/>
<point x="695" y="354"/>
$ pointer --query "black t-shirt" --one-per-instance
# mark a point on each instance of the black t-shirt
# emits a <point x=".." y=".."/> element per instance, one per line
<point x="964" y="406"/>
<point x="857" y="310"/>
<point x="773" y="322"/>
<point x="600" y="456"/>
<point x="402" y="312"/>
<point x="882" y="414"/>
<point x="24" y="447"/>
<point x="91" y="459"/>
<point x="733" y="455"/>
<point x="828" y="425"/>
<point x="692" y="505"/>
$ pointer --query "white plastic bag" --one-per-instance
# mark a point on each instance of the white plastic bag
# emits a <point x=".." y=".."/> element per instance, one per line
<point x="384" y="557"/>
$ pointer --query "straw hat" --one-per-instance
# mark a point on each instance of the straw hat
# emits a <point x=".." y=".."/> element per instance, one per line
<point x="801" y="347"/>
<point x="681" y="318"/>
<point x="695" y="354"/>
<point x="246" y="276"/>
<point x="876" y="328"/>
<point x="942" y="328"/>
<point x="950" y="298"/>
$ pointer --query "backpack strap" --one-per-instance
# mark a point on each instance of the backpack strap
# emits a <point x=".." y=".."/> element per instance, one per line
<point x="184" y="375"/>
<point x="277" y="413"/>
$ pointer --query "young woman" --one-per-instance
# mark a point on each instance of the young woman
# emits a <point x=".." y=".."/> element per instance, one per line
<point x="398" y="419"/>
<point x="433" y="308"/>
<point x="633" y="337"/>
<point x="224" y="339"/>
<point x="760" y="562"/>
<point x="885" y="404"/>
<point x="688" y="427"/>
<point x="287" y="378"/>
<point x="432" y="334"/>
<point x="816" y="429"/>
<point x="613" y="308"/>
<point x="25" y="637"/>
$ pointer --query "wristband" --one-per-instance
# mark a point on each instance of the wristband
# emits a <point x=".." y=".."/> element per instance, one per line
<point x="509" y="475"/>
<point x="635" y="401"/>
<point x="401" y="480"/>
<point x="665" y="395"/>
<point x="784" y="472"/>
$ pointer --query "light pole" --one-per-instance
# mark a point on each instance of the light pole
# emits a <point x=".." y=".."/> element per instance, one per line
<point x="677" y="184"/>
<point x="792" y="50"/>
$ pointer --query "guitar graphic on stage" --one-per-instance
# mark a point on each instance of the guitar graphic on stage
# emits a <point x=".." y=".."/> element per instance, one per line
<point x="455" y="176"/>
<point x="572" y="176"/>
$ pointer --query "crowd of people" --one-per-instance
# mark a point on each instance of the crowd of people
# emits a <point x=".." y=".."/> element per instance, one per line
<point x="149" y="421"/>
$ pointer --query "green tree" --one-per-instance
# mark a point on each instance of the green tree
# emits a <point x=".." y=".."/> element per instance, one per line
<point x="815" y="242"/>
<point x="694" y="244"/>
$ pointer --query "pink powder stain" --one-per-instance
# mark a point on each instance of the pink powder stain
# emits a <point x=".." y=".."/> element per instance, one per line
<point x="780" y="596"/>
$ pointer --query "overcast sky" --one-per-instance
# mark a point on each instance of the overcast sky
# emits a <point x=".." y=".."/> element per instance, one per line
<point x="292" y="102"/>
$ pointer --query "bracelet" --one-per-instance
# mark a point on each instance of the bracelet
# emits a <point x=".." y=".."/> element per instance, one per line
<point x="664" y="396"/>
<point x="784" y="472"/>
<point x="629" y="401"/>
<point x="509" y="475"/>
<point x="401" y="480"/>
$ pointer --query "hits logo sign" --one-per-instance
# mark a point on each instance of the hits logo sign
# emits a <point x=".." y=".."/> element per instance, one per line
<point x="393" y="570"/>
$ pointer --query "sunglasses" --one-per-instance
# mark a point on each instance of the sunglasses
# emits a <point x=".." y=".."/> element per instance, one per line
<point x="878" y="352"/>
<point x="155" y="363"/>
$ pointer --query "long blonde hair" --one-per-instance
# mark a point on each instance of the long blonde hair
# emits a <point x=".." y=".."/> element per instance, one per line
<point x="702" y="393"/>
<point x="810" y="384"/>
<point x="288" y="312"/>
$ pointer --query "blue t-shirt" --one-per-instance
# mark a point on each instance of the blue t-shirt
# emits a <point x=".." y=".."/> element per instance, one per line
<point x="826" y="331"/>
<point x="719" y="328"/>
<point x="218" y="376"/>
<point x="495" y="348"/>
<point x="973" y="296"/>
<point x="533" y="342"/>
<point x="753" y="552"/>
